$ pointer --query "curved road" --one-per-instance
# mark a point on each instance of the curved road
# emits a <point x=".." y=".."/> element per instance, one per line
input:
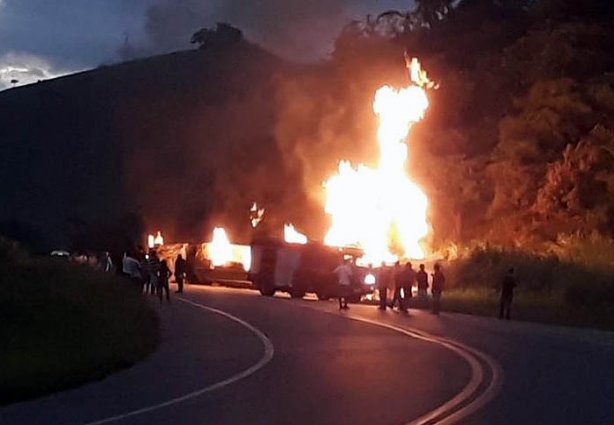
<point x="230" y="356"/>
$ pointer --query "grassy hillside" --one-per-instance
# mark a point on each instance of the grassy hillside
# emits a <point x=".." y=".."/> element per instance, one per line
<point x="151" y="142"/>
<point x="64" y="325"/>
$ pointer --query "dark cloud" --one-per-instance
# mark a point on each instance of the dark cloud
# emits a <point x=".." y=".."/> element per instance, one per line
<point x="297" y="29"/>
<point x="70" y="35"/>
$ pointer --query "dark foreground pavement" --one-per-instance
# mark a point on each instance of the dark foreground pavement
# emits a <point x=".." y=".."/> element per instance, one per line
<point x="327" y="369"/>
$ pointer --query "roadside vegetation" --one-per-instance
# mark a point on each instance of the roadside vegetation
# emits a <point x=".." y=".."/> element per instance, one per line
<point x="65" y="324"/>
<point x="516" y="151"/>
<point x="569" y="283"/>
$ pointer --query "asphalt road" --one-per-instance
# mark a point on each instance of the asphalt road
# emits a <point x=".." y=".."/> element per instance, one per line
<point x="230" y="356"/>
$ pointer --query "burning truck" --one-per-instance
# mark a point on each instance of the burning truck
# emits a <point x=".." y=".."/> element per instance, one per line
<point x="300" y="267"/>
<point x="271" y="264"/>
<point x="378" y="215"/>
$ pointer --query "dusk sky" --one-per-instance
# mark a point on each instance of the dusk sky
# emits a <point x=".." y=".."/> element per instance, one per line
<point x="40" y="39"/>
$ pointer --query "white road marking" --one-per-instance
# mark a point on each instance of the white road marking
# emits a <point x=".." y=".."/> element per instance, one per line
<point x="269" y="351"/>
<point x="448" y="413"/>
<point x="451" y="415"/>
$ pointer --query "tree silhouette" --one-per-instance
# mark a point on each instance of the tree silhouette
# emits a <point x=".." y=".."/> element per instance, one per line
<point x="222" y="35"/>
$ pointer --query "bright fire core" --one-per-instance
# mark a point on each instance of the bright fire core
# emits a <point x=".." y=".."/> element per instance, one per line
<point x="381" y="210"/>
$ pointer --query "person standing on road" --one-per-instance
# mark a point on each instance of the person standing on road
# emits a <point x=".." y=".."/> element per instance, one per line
<point x="132" y="268"/>
<point x="145" y="273"/>
<point x="404" y="278"/>
<point x="344" y="278"/>
<point x="107" y="263"/>
<point x="153" y="268"/>
<point x="164" y="273"/>
<point x="384" y="281"/>
<point x="398" y="284"/>
<point x="439" y="282"/>
<point x="409" y="278"/>
<point x="507" y="295"/>
<point x="423" y="282"/>
<point x="180" y="271"/>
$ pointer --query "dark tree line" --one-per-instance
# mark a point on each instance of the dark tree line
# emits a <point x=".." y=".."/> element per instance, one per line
<point x="518" y="147"/>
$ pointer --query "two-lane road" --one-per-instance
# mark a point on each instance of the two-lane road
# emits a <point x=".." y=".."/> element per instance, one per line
<point x="230" y="356"/>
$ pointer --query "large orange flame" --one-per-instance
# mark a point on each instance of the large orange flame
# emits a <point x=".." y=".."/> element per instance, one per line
<point x="222" y="253"/>
<point x="220" y="248"/>
<point x="381" y="210"/>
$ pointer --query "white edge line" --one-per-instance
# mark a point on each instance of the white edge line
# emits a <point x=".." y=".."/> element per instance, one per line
<point x="468" y="354"/>
<point x="269" y="351"/>
<point x="488" y="395"/>
<point x="477" y="374"/>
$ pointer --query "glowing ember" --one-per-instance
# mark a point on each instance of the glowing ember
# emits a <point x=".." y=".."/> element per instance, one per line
<point x="381" y="210"/>
<point x="220" y="249"/>
<point x="291" y="235"/>
<point x="153" y="241"/>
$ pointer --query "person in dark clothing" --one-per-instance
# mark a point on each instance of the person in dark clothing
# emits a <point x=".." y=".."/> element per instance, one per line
<point x="423" y="281"/>
<point x="180" y="272"/>
<point x="507" y="295"/>
<point x="164" y="273"/>
<point x="384" y="281"/>
<point x="398" y="284"/>
<point x="439" y="282"/>
<point x="409" y="278"/>
<point x="404" y="278"/>
<point x="153" y="269"/>
<point x="345" y="275"/>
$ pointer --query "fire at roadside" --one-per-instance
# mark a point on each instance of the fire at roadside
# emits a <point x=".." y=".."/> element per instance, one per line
<point x="271" y="263"/>
<point x="378" y="218"/>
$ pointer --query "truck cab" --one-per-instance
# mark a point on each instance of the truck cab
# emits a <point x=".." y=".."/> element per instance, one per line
<point x="298" y="268"/>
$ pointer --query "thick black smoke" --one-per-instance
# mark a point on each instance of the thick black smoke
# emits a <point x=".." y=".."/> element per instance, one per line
<point x="295" y="29"/>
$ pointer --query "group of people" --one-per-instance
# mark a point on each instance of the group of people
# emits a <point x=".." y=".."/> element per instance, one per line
<point x="402" y="278"/>
<point x="399" y="278"/>
<point x="96" y="261"/>
<point x="151" y="275"/>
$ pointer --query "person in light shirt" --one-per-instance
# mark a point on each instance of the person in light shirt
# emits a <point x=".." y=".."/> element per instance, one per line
<point x="132" y="268"/>
<point x="344" y="274"/>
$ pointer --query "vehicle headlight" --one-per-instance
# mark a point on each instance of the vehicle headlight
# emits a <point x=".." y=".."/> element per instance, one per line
<point x="370" y="279"/>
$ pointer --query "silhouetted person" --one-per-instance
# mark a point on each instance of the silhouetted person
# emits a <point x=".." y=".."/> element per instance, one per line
<point x="153" y="268"/>
<point x="409" y="278"/>
<point x="439" y="283"/>
<point x="132" y="268"/>
<point x="404" y="278"/>
<point x="344" y="274"/>
<point x="180" y="272"/>
<point x="507" y="294"/>
<point x="384" y="281"/>
<point x="398" y="285"/>
<point x="164" y="274"/>
<point x="145" y="274"/>
<point x="107" y="263"/>
<point x="423" y="281"/>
